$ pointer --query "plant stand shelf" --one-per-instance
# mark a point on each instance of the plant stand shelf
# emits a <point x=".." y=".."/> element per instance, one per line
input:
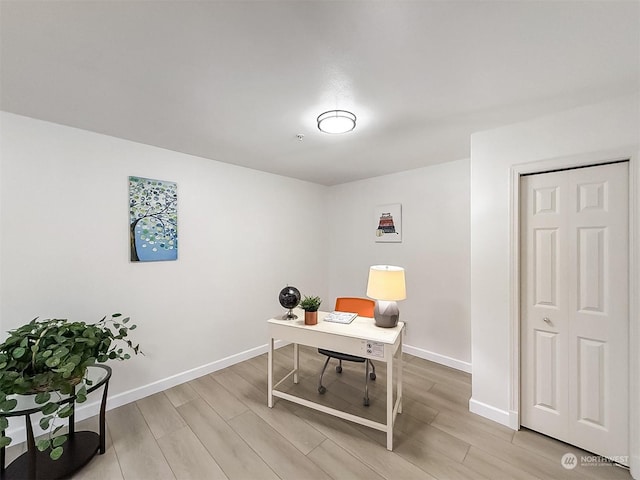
<point x="79" y="448"/>
<point x="77" y="453"/>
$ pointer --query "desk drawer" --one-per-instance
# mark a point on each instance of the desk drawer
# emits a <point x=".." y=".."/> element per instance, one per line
<point x="361" y="347"/>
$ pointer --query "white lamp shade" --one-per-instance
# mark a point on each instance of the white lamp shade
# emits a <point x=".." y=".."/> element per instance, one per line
<point x="386" y="283"/>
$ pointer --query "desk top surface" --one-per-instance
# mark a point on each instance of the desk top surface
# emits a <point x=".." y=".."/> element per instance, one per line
<point x="360" y="327"/>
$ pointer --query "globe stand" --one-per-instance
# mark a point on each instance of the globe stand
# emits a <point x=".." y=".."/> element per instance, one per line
<point x="289" y="315"/>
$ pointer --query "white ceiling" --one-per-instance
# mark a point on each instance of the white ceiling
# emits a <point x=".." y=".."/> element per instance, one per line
<point x="237" y="81"/>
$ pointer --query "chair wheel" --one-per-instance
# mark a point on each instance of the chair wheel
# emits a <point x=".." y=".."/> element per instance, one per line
<point x="321" y="390"/>
<point x="366" y="402"/>
<point x="339" y="369"/>
<point x="372" y="376"/>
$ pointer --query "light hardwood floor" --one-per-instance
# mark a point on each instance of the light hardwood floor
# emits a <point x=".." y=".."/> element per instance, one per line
<point x="219" y="427"/>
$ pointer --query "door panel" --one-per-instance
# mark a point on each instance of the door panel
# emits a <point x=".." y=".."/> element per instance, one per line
<point x="592" y="367"/>
<point x="591" y="268"/>
<point x="546" y="266"/>
<point x="545" y="200"/>
<point x="574" y="306"/>
<point x="592" y="196"/>
<point x="546" y="384"/>
<point x="599" y="360"/>
<point x="544" y="381"/>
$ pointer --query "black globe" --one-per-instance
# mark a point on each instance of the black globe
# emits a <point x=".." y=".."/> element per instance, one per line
<point x="289" y="297"/>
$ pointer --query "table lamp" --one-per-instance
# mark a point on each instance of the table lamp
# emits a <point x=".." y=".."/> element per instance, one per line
<point x="386" y="285"/>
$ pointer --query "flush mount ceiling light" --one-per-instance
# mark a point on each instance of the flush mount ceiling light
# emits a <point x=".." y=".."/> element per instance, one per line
<point x="336" y="121"/>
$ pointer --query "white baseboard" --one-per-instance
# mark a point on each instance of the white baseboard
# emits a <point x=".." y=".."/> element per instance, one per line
<point x="88" y="409"/>
<point x="437" y="358"/>
<point x="503" y="417"/>
<point x="169" y="382"/>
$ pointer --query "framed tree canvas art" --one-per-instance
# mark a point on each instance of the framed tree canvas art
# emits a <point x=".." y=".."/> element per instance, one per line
<point x="153" y="220"/>
<point x="388" y="223"/>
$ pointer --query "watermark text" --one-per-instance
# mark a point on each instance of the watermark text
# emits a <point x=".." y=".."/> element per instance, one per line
<point x="571" y="461"/>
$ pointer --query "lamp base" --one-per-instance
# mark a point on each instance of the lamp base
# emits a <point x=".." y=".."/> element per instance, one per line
<point x="386" y="313"/>
<point x="289" y="315"/>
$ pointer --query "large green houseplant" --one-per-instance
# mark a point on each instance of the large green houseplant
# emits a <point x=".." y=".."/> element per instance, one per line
<point x="49" y="358"/>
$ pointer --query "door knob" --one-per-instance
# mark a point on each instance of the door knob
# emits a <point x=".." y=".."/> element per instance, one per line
<point x="547" y="320"/>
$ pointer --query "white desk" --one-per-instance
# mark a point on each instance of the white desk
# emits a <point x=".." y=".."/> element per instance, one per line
<point x="360" y="337"/>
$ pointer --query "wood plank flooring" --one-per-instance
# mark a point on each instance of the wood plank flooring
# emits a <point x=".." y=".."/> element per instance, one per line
<point x="219" y="427"/>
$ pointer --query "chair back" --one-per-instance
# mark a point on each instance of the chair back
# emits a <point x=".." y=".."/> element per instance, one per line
<point x="362" y="306"/>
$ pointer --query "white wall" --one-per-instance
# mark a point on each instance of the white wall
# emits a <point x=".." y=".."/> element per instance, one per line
<point x="577" y="133"/>
<point x="434" y="252"/>
<point x="64" y="248"/>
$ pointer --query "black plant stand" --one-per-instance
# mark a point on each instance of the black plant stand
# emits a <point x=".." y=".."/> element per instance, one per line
<point x="79" y="448"/>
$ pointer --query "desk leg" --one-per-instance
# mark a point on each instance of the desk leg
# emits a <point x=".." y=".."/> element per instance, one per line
<point x="390" y="404"/>
<point x="296" y="362"/>
<point x="400" y="365"/>
<point x="270" y="375"/>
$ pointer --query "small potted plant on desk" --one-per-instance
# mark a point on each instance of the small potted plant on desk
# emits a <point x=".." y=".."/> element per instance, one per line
<point x="310" y="305"/>
<point x="48" y="359"/>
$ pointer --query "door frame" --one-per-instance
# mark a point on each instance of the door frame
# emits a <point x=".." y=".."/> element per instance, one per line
<point x="585" y="160"/>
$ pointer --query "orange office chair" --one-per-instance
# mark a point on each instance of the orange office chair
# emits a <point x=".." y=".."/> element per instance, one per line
<point x="364" y="308"/>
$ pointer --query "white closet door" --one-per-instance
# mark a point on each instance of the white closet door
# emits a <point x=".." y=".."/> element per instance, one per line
<point x="574" y="315"/>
